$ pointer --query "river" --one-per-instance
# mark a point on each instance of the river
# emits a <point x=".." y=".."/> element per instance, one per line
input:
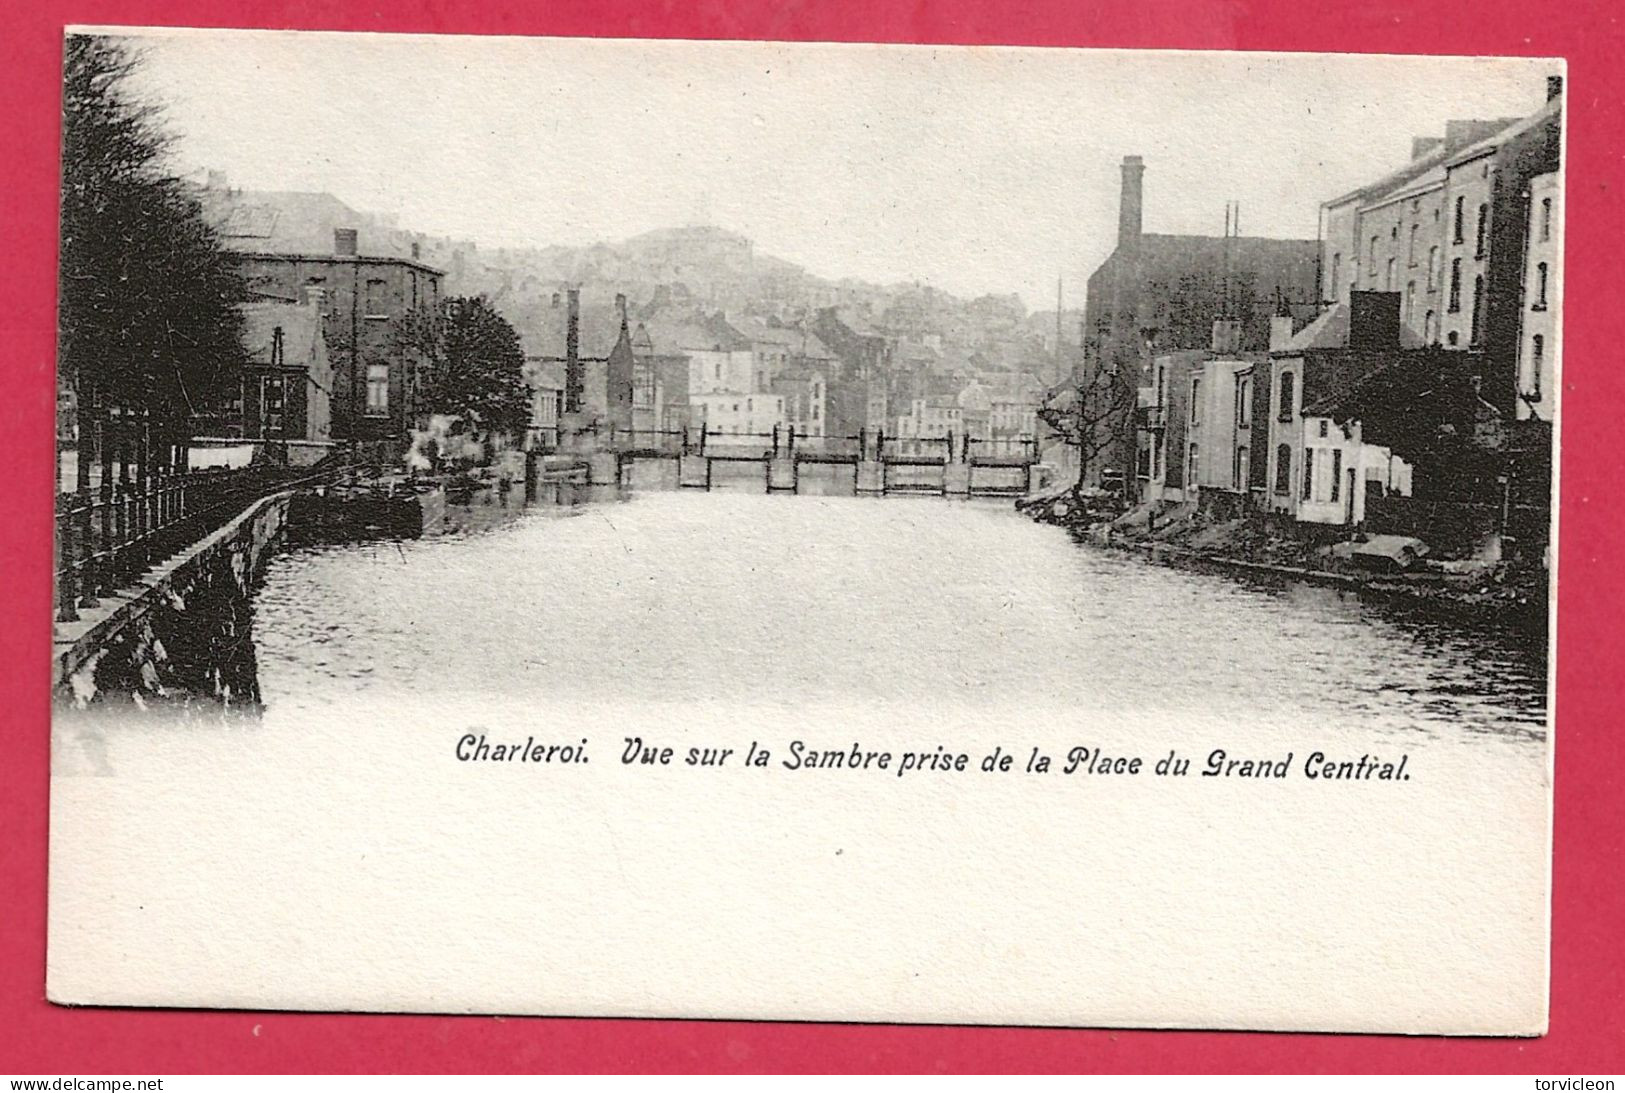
<point x="734" y="597"/>
<point x="345" y="851"/>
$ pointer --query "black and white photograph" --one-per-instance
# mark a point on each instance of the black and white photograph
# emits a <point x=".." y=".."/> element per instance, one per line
<point x="815" y="532"/>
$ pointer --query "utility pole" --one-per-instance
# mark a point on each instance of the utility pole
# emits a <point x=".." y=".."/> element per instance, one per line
<point x="1060" y="372"/>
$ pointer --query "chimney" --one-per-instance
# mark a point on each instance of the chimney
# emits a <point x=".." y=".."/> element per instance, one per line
<point x="344" y="242"/>
<point x="1373" y="320"/>
<point x="1226" y="336"/>
<point x="1130" y="204"/>
<point x="1554" y="87"/>
<point x="1280" y="331"/>
<point x="574" y="382"/>
<point x="1421" y="146"/>
<point x="415" y="252"/>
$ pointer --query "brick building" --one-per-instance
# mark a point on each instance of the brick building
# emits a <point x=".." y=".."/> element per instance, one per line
<point x="370" y="280"/>
<point x="1159" y="294"/>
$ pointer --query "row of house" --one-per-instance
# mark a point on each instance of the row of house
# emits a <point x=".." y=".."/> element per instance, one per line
<point x="661" y="369"/>
<point x="1426" y="372"/>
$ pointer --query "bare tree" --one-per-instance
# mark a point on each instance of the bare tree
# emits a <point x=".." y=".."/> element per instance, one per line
<point x="1091" y="417"/>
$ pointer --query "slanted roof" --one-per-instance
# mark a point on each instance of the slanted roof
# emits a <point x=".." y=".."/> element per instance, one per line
<point x="294" y="222"/>
<point x="300" y="325"/>
<point x="1330" y="330"/>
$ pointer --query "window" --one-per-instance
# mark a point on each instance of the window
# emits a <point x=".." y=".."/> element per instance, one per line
<point x="1433" y="268"/>
<point x="1452" y="338"/>
<point x="1285" y="411"/>
<point x="1537" y="362"/>
<point x="1388" y="277"/>
<point x="1393" y="233"/>
<point x="377" y="390"/>
<point x="1244" y="402"/>
<point x="1324" y="428"/>
<point x="1482" y="231"/>
<point x="377" y="299"/>
<point x="1193" y="466"/>
<point x="1196" y="402"/>
<point x="1430" y="328"/>
<point x="1337" y="275"/>
<point x="412" y="277"/>
<point x="1455" y="285"/>
<point x="1410" y="253"/>
<point x="1283" y="469"/>
<point x="1461" y="223"/>
<point x="719" y="370"/>
<point x="272" y="401"/>
<point x="1545" y="219"/>
<point x="1540" y="287"/>
<point x="1371" y="258"/>
<point x="1337" y="472"/>
<point x="1242" y="469"/>
<point x="1477" y="322"/>
<point x="1308" y="473"/>
<point x="1410" y="304"/>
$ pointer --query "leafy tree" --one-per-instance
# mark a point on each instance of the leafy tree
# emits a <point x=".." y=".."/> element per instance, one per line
<point x="474" y="365"/>
<point x="148" y="326"/>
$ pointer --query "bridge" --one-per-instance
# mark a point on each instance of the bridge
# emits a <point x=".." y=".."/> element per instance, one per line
<point x="790" y="461"/>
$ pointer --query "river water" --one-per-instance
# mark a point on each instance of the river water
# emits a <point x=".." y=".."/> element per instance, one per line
<point x="731" y="597"/>
<point x="341" y="852"/>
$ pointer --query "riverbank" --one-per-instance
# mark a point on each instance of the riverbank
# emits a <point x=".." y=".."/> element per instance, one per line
<point x="1471" y="590"/>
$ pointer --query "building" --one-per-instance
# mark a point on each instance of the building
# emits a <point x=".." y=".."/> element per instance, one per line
<point x="929" y="424"/>
<point x="857" y="395"/>
<point x="1452" y="231"/>
<point x="1159" y="294"/>
<point x="372" y="284"/>
<point x="593" y="345"/>
<point x="1322" y="466"/>
<point x="1542" y="301"/>
<point x="288" y="378"/>
<point x="545" y="378"/>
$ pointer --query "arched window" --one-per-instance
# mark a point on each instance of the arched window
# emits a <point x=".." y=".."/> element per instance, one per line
<point x="1433" y="268"/>
<point x="1283" y="469"/>
<point x="1455" y="285"/>
<point x="1410" y="304"/>
<point x="1410" y="254"/>
<point x="1284" y="413"/>
<point x="1430" y="328"/>
<point x="1460" y="220"/>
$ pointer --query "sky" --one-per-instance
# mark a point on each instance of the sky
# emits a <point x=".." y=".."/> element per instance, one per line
<point x="975" y="169"/>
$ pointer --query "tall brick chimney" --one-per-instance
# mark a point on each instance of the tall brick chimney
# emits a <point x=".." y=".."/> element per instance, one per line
<point x="1131" y="203"/>
<point x="574" y="382"/>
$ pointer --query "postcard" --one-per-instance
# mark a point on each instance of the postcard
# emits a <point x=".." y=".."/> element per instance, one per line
<point x="815" y="532"/>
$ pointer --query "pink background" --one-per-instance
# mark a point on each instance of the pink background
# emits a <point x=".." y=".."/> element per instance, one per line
<point x="1588" y="953"/>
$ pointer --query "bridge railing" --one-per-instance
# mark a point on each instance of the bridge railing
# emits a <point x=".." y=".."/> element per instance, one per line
<point x="1013" y="449"/>
<point x="664" y="441"/>
<point x="829" y="445"/>
<point x="941" y="449"/>
<point x="134" y="517"/>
